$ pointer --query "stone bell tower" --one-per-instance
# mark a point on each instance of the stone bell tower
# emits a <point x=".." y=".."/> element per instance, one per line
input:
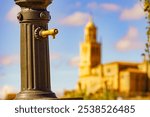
<point x="35" y="65"/>
<point x="90" y="50"/>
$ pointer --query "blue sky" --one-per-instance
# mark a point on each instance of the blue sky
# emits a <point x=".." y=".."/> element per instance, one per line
<point x="121" y="28"/>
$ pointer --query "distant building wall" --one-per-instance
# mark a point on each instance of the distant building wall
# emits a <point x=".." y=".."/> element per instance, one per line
<point x="133" y="83"/>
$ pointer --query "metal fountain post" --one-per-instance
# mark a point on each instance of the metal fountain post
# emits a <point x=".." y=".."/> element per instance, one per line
<point x="35" y="65"/>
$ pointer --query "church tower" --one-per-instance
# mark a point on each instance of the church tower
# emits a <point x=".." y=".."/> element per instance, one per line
<point x="90" y="50"/>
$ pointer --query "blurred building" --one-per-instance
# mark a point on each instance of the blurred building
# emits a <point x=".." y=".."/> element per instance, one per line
<point x="124" y="77"/>
<point x="10" y="96"/>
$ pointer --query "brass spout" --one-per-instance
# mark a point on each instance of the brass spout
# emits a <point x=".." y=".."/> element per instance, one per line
<point x="46" y="33"/>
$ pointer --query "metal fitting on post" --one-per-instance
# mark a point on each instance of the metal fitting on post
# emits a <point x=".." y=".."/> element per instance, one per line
<point x="46" y="33"/>
<point x="41" y="33"/>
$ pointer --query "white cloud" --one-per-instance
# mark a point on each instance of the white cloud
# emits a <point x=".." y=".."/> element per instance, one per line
<point x="59" y="94"/>
<point x="104" y="6"/>
<point x="9" y="60"/>
<point x="134" y="13"/>
<point x="93" y="5"/>
<point x="5" y="90"/>
<point x="130" y="41"/>
<point x="75" y="19"/>
<point x="110" y="7"/>
<point x="55" y="56"/>
<point x="12" y="14"/>
<point x="15" y="59"/>
<point x="74" y="62"/>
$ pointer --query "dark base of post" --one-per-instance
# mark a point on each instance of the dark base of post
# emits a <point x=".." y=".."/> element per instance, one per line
<point x="35" y="95"/>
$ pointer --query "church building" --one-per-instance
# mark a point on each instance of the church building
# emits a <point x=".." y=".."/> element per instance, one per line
<point x="123" y="77"/>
